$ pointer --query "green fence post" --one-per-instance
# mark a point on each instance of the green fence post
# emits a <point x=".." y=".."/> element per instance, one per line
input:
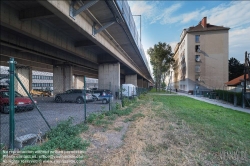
<point x="122" y="96"/>
<point x="109" y="95"/>
<point x="11" y="104"/>
<point x="85" y="112"/>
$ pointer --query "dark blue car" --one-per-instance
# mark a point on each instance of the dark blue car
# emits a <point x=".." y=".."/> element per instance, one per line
<point x="103" y="95"/>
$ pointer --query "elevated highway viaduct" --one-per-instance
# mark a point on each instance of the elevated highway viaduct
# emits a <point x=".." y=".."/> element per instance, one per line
<point x="96" y="39"/>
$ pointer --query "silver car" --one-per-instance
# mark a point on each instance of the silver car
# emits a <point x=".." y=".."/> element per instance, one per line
<point x="73" y="95"/>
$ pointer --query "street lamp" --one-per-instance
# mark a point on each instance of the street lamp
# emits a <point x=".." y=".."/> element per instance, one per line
<point x="140" y="25"/>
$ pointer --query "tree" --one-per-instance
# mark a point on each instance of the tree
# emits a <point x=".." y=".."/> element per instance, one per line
<point x="161" y="59"/>
<point x="236" y="69"/>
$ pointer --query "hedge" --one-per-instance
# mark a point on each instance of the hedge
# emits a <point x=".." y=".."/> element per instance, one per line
<point x="229" y="97"/>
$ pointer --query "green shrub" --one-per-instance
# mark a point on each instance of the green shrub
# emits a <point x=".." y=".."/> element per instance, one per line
<point x="229" y="96"/>
<point x="91" y="118"/>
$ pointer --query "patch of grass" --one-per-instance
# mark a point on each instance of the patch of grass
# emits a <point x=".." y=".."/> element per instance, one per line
<point x="118" y="128"/>
<point x="91" y="118"/>
<point x="121" y="112"/>
<point x="64" y="136"/>
<point x="112" y="117"/>
<point x="1" y="152"/>
<point x="127" y="120"/>
<point x="102" y="122"/>
<point x="150" y="148"/>
<point x="136" y="116"/>
<point x="220" y="128"/>
<point x="153" y="90"/>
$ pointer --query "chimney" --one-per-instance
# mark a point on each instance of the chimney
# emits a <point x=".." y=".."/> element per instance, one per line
<point x="204" y="22"/>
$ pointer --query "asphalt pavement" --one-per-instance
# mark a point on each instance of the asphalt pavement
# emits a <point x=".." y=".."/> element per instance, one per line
<point x="32" y="122"/>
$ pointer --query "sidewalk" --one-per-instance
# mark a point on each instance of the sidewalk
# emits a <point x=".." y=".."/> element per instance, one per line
<point x="217" y="102"/>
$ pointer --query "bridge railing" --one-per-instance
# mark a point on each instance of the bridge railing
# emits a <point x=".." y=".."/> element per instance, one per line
<point x="128" y="17"/>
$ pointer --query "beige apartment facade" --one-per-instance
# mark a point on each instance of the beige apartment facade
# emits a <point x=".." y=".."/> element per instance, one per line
<point x="201" y="58"/>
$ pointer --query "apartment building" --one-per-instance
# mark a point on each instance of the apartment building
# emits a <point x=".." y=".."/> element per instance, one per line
<point x="201" y="57"/>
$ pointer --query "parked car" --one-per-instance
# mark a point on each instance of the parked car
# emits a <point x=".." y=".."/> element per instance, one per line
<point x="103" y="95"/>
<point x="21" y="103"/>
<point x="73" y="95"/>
<point x="38" y="92"/>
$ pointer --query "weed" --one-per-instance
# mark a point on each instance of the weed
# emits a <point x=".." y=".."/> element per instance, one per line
<point x="171" y="127"/>
<point x="164" y="145"/>
<point x="112" y="117"/>
<point x="117" y="106"/>
<point x="150" y="148"/>
<point x="134" y="117"/>
<point x="127" y="157"/>
<point x="137" y="116"/>
<point x="118" y="128"/>
<point x="91" y="118"/>
<point x="127" y="120"/>
<point x="101" y="122"/>
<point x="63" y="137"/>
<point x="1" y="152"/>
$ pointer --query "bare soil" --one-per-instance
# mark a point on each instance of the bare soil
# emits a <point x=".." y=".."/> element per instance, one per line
<point x="150" y="140"/>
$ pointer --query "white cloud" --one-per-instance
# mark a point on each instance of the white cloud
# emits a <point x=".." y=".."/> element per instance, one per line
<point x="239" y="43"/>
<point x="233" y="15"/>
<point x="144" y="8"/>
<point x="165" y="16"/>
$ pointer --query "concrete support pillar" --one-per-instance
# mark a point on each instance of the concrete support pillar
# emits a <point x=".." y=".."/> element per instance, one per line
<point x="145" y="84"/>
<point x="78" y="82"/>
<point x="140" y="82"/>
<point x="109" y="74"/>
<point x="131" y="79"/>
<point x="24" y="73"/>
<point x="62" y="78"/>
<point x="122" y="80"/>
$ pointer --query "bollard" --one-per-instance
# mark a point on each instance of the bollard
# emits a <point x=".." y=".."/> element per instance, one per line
<point x="235" y="100"/>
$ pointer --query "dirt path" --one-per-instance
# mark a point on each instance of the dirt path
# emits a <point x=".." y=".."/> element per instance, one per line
<point x="154" y="138"/>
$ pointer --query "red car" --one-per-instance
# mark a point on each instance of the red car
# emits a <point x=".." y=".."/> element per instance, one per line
<point x="21" y="103"/>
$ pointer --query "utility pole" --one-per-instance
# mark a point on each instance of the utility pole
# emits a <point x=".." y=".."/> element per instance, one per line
<point x="245" y="82"/>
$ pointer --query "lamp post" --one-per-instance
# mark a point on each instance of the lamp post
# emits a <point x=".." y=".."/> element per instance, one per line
<point x="140" y="26"/>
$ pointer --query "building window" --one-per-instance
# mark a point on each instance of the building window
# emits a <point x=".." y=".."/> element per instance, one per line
<point x="197" y="68"/>
<point x="197" y="48"/>
<point x="197" y="58"/>
<point x="197" y="78"/>
<point x="197" y="38"/>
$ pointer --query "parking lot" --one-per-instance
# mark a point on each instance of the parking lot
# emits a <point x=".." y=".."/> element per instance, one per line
<point x="32" y="122"/>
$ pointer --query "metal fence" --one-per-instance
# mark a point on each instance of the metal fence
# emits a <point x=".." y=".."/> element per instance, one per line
<point x="47" y="111"/>
<point x="232" y="95"/>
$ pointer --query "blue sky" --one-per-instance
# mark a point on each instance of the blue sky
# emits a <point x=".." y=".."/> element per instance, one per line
<point x="163" y="21"/>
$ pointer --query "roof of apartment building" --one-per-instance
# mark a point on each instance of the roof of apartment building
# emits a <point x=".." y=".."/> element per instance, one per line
<point x="236" y="81"/>
<point x="204" y="26"/>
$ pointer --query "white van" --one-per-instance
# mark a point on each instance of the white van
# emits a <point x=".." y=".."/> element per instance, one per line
<point x="128" y="90"/>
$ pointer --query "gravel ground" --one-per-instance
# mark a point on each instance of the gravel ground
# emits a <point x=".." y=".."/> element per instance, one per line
<point x="32" y="122"/>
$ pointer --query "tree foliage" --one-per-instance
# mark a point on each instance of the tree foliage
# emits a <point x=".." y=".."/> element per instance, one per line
<point x="236" y="69"/>
<point x="161" y="59"/>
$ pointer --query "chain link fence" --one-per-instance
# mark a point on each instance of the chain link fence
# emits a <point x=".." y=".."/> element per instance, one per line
<point x="33" y="120"/>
